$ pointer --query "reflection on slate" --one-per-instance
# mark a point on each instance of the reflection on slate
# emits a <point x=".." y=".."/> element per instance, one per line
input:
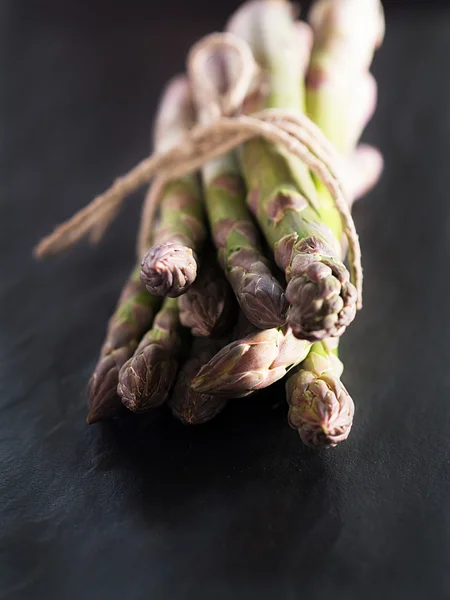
<point x="238" y="509"/>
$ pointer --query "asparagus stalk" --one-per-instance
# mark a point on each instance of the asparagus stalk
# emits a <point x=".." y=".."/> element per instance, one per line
<point x="251" y="363"/>
<point x="132" y="317"/>
<point x="208" y="308"/>
<point x="170" y="266"/>
<point x="341" y="97"/>
<point x="193" y="408"/>
<point x="260" y="295"/>
<point x="340" y="92"/>
<point x="281" y="191"/>
<point x="146" y="379"/>
<point x="320" y="407"/>
<point x="281" y="47"/>
<point x="235" y="235"/>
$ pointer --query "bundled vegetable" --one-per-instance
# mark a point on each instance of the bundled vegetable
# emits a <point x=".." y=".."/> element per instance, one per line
<point x="251" y="363"/>
<point x="260" y="140"/>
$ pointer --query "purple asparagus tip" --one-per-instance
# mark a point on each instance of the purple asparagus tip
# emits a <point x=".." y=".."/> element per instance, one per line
<point x="168" y="269"/>
<point x="102" y="392"/>
<point x="321" y="409"/>
<point x="322" y="297"/>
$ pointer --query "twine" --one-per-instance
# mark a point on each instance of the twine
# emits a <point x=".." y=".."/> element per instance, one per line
<point x="295" y="131"/>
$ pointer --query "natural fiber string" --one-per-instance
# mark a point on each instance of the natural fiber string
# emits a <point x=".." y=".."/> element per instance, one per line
<point x="203" y="144"/>
<point x="294" y="131"/>
<point x="221" y="103"/>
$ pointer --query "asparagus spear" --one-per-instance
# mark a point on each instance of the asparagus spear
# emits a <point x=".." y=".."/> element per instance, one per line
<point x="251" y="363"/>
<point x="208" y="308"/>
<point x="340" y="92"/>
<point x="193" y="408"/>
<point x="362" y="165"/>
<point x="281" y="191"/>
<point x="320" y="407"/>
<point x="341" y="97"/>
<point x="146" y="379"/>
<point x="132" y="317"/>
<point x="236" y="237"/>
<point x="170" y="266"/>
<point x="260" y="295"/>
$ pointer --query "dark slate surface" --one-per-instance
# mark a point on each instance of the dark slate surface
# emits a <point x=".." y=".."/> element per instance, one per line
<point x="237" y="509"/>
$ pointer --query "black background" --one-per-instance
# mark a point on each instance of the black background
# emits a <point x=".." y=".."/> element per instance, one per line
<point x="238" y="509"/>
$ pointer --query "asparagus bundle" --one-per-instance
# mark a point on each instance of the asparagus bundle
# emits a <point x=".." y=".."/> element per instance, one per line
<point x="208" y="307"/>
<point x="236" y="237"/>
<point x="261" y="191"/>
<point x="281" y="192"/>
<point x="146" y="379"/>
<point x="170" y="266"/>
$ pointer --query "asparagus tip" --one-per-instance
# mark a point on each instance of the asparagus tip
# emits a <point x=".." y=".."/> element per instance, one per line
<point x="168" y="269"/>
<point x="321" y="409"/>
<point x="322" y="297"/>
<point x="264" y="303"/>
<point x="146" y="379"/>
<point x="102" y="412"/>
